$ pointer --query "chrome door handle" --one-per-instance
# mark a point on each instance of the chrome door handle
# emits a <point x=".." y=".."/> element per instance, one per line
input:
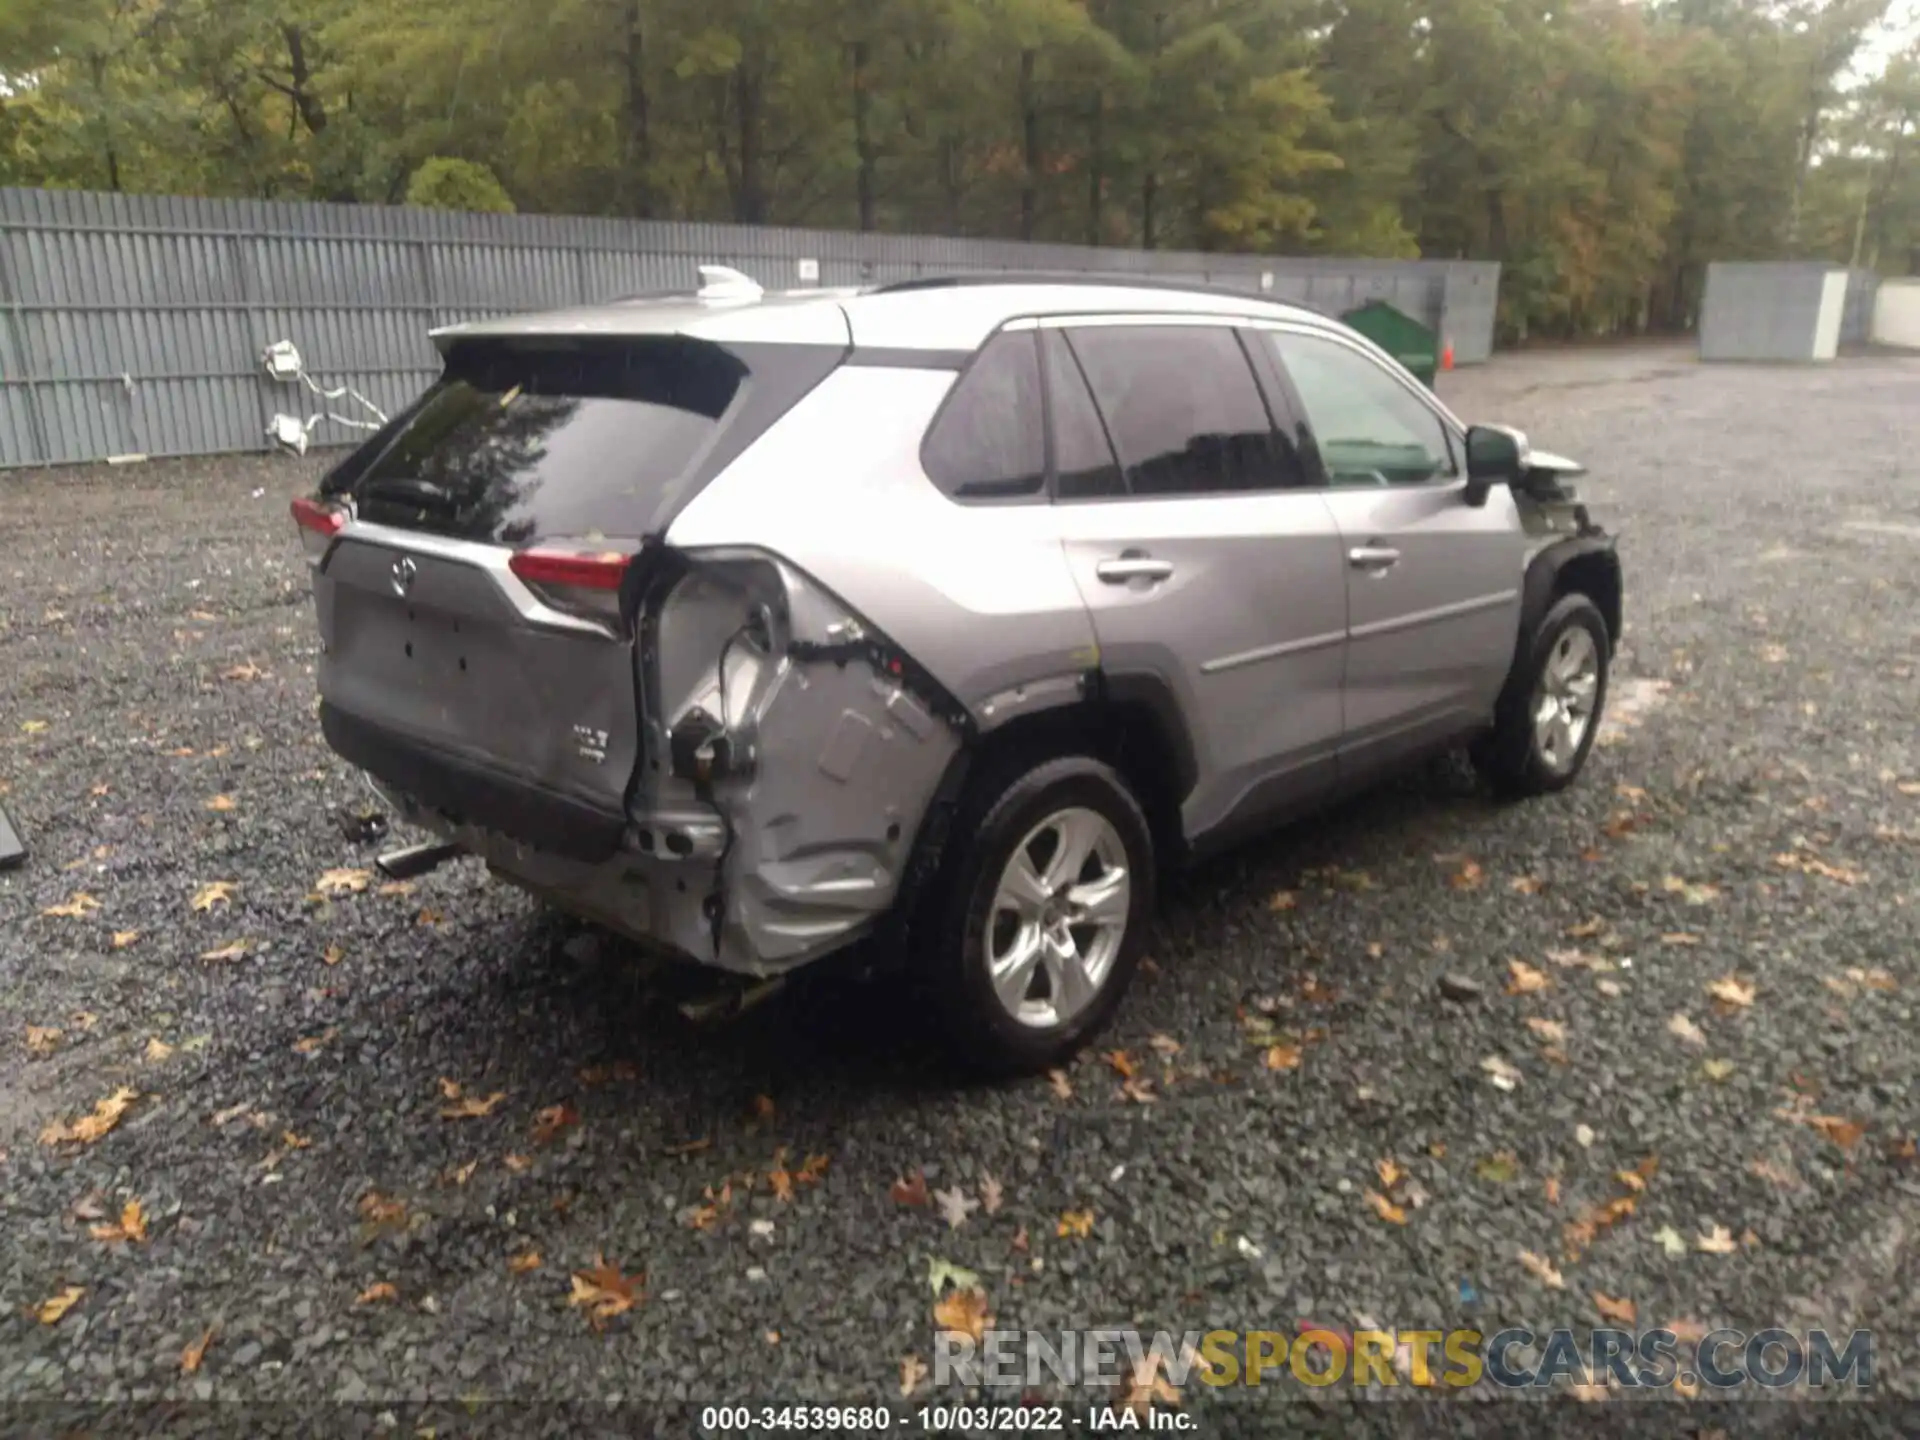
<point x="1377" y="558"/>
<point x="1133" y="567"/>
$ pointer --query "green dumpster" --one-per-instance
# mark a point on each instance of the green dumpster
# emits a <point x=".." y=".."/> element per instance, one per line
<point x="1401" y="336"/>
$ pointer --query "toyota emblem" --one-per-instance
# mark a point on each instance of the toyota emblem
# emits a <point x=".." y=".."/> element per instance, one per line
<point x="403" y="572"/>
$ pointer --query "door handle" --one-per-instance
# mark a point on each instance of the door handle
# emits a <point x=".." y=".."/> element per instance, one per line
<point x="1376" y="558"/>
<point x="1133" y="567"/>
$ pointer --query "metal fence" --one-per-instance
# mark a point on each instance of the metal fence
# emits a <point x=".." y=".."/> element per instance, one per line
<point x="134" y="324"/>
<point x="1770" y="310"/>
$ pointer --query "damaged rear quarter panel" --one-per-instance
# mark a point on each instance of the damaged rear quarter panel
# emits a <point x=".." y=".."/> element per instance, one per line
<point x="827" y="766"/>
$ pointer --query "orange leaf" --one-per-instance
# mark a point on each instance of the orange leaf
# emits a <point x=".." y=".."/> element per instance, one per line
<point x="131" y="1226"/>
<point x="1526" y="979"/>
<point x="106" y="1114"/>
<point x="191" y="1357"/>
<point x="962" y="1312"/>
<point x="1075" y="1224"/>
<point x="1121" y="1062"/>
<point x="1844" y="1133"/>
<point x="1385" y="1208"/>
<point x="472" y="1107"/>
<point x="550" y="1121"/>
<point x="910" y="1190"/>
<point x="523" y="1262"/>
<point x="1622" y="1311"/>
<point x="1283" y="1057"/>
<point x="377" y="1293"/>
<point x="603" y="1292"/>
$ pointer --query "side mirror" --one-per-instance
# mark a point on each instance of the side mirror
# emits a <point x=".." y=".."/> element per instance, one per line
<point x="1496" y="455"/>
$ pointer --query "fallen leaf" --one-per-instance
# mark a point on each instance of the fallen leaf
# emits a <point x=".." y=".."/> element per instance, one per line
<point x="333" y="956"/>
<point x="1075" y="1224"/>
<point x="460" y="1174"/>
<point x="955" y="1205"/>
<point x="106" y="1114"/>
<point x="1685" y="1028"/>
<point x="1164" y="1044"/>
<point x="1468" y="877"/>
<point x="1583" y="1136"/>
<point x="1283" y="1057"/>
<point x="32" y="727"/>
<point x="518" y="1164"/>
<point x="1670" y="1240"/>
<point x="1500" y="1168"/>
<point x="910" y="1190"/>
<point x="523" y="1262"/>
<point x="1679" y="937"/>
<point x="1623" y="1312"/>
<point x="377" y="1293"/>
<point x="550" y="1121"/>
<point x="1145" y="1384"/>
<point x="131" y="1227"/>
<point x="123" y="938"/>
<point x="913" y="1370"/>
<point x="219" y="892"/>
<point x="990" y="1194"/>
<point x="223" y="803"/>
<point x="43" y="1040"/>
<point x="1844" y="1133"/>
<point x="603" y="1292"/>
<point x="1526" y="980"/>
<point x="232" y="950"/>
<point x="191" y="1357"/>
<point x="1552" y="1186"/>
<point x="1527" y="884"/>
<point x="313" y="1044"/>
<point x="942" y="1273"/>
<point x="1121" y="1062"/>
<point x="78" y="907"/>
<point x="396" y="888"/>
<point x="1729" y="991"/>
<point x="50" y="1310"/>
<point x="1718" y="1241"/>
<point x="1283" y="900"/>
<point x="1551" y="1031"/>
<point x="1139" y="1091"/>
<point x="1542" y="1270"/>
<point x="472" y="1107"/>
<point x="962" y="1312"/>
<point x="1586" y="929"/>
<point x="1385" y="1208"/>
<point x="343" y="882"/>
<point x="1610" y="988"/>
<point x="1062" y="1086"/>
<point x="382" y="1212"/>
<point x="1390" y="1174"/>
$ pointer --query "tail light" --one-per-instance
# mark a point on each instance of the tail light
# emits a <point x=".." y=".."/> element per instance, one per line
<point x="318" y="523"/>
<point x="579" y="582"/>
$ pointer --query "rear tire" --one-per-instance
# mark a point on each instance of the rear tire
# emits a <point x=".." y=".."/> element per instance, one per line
<point x="1550" y="711"/>
<point x="1041" y="917"/>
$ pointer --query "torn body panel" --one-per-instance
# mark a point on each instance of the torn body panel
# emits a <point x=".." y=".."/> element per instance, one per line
<point x="791" y="754"/>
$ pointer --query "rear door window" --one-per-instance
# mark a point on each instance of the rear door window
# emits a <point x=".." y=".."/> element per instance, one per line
<point x="1184" y="410"/>
<point x="1083" y="463"/>
<point x="521" y="440"/>
<point x="989" y="440"/>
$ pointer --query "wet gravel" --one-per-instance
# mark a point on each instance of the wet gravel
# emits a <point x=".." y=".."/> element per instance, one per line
<point x="1752" y="813"/>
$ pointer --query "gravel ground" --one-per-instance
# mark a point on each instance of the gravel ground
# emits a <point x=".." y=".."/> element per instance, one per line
<point x="1752" y="813"/>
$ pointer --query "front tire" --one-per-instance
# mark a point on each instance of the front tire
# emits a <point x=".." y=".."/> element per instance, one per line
<point x="1043" y="916"/>
<point x="1550" y="711"/>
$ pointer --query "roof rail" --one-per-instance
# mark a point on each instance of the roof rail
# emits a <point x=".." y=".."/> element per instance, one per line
<point x="1085" y="277"/>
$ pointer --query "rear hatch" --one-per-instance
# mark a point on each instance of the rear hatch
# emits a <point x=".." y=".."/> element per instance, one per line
<point x="474" y="575"/>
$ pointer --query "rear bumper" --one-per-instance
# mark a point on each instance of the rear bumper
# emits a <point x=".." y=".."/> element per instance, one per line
<point x="472" y="791"/>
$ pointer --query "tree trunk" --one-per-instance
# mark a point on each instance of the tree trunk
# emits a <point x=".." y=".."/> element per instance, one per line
<point x="1030" y="148"/>
<point x="1149" y="205"/>
<point x="750" y="201"/>
<point x="1097" y="170"/>
<point x="1496" y="224"/>
<point x="313" y="111"/>
<point x="863" y="148"/>
<point x="97" y="64"/>
<point x="950" y="182"/>
<point x="636" y="140"/>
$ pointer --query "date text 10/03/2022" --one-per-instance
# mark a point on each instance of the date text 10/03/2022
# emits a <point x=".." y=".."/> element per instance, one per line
<point x="942" y="1419"/>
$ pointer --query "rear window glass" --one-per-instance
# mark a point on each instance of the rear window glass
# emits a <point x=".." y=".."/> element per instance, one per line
<point x="518" y="442"/>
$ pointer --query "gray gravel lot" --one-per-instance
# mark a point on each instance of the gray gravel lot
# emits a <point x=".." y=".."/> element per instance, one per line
<point x="1753" y="812"/>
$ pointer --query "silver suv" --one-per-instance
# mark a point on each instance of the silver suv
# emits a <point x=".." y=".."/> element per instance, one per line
<point x="939" y="614"/>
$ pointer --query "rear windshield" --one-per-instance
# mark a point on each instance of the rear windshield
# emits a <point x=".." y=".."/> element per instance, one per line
<point x="521" y="440"/>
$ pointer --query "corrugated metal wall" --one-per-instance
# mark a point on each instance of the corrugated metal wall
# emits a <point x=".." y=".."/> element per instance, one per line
<point x="1766" y="310"/>
<point x="134" y="324"/>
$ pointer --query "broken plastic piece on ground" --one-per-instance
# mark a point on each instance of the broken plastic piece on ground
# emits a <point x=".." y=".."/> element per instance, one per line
<point x="13" y="850"/>
<point x="416" y="860"/>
